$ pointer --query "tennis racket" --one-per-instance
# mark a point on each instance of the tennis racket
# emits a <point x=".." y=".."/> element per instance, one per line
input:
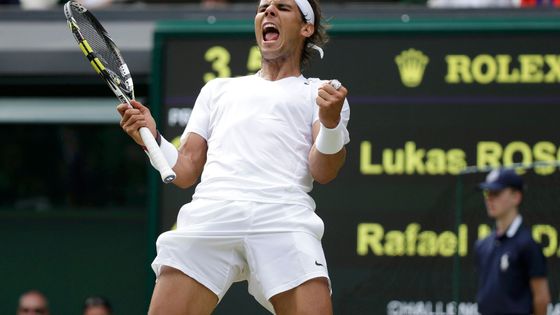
<point x="106" y="59"/>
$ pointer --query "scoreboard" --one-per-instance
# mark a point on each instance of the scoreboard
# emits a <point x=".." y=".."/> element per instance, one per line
<point x="428" y="98"/>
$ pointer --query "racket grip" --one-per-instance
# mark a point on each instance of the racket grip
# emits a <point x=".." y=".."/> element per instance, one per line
<point x="159" y="161"/>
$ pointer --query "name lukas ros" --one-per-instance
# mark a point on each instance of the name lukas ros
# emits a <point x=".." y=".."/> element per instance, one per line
<point x="412" y="159"/>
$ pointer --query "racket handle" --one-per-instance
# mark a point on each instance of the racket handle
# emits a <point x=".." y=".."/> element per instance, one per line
<point x="167" y="174"/>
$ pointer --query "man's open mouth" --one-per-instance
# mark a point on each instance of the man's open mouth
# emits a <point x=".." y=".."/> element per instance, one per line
<point x="270" y="32"/>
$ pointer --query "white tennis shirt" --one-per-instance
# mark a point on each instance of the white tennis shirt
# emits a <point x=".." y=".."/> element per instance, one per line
<point x="259" y="135"/>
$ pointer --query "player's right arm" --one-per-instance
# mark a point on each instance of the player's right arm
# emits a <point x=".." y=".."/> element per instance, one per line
<point x="132" y="119"/>
<point x="192" y="152"/>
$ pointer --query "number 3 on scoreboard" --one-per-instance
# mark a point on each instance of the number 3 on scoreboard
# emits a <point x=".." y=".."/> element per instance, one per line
<point x="220" y="57"/>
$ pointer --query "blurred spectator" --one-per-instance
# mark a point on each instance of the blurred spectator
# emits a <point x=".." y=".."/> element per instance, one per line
<point x="32" y="303"/>
<point x="212" y="4"/>
<point x="535" y="3"/>
<point x="38" y="4"/>
<point x="97" y="305"/>
<point x="92" y="4"/>
<point x="47" y="4"/>
<point x="473" y="3"/>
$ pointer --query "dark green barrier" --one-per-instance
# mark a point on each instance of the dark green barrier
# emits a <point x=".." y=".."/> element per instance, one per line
<point x="70" y="255"/>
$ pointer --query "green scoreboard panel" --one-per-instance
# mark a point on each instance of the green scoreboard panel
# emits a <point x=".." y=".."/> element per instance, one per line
<point x="428" y="98"/>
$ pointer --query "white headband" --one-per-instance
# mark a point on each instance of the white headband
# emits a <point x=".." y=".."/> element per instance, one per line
<point x="307" y="11"/>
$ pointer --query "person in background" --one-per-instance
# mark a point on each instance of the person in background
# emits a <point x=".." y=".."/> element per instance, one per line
<point x="540" y="3"/>
<point x="97" y="305"/>
<point x="473" y="3"/>
<point x="38" y="4"/>
<point x="33" y="302"/>
<point x="95" y="4"/>
<point x="55" y="4"/>
<point x="511" y="266"/>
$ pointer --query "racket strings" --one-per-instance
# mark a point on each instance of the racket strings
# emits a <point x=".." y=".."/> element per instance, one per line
<point x="102" y="46"/>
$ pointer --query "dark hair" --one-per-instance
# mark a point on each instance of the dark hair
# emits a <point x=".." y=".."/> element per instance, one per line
<point x="319" y="37"/>
<point x="97" y="301"/>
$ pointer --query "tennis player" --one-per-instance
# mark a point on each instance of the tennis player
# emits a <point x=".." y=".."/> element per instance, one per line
<point x="511" y="266"/>
<point x="259" y="142"/>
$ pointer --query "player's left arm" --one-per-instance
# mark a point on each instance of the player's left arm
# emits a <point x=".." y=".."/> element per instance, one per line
<point x="324" y="167"/>
<point x="541" y="295"/>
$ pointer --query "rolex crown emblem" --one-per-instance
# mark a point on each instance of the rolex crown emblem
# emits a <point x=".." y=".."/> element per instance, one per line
<point x="412" y="64"/>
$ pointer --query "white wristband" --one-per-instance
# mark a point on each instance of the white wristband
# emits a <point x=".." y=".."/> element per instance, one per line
<point x="330" y="141"/>
<point x="169" y="152"/>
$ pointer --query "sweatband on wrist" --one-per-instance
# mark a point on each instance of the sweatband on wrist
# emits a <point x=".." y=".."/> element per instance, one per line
<point x="167" y="149"/>
<point x="330" y="141"/>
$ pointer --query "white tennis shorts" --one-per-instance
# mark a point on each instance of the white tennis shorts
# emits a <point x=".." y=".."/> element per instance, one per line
<point x="275" y="247"/>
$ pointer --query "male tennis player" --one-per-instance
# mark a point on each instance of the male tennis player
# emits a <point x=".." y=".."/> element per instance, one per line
<point x="511" y="266"/>
<point x="259" y="142"/>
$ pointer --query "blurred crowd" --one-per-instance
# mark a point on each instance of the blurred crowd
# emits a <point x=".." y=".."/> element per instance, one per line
<point x="492" y="3"/>
<point x="45" y="4"/>
<point x="34" y="302"/>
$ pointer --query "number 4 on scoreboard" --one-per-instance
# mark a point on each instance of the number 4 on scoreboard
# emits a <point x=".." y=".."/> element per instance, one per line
<point x="219" y="57"/>
<point x="254" y="60"/>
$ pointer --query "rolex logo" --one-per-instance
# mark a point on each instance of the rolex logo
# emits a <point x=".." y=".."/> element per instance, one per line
<point x="412" y="64"/>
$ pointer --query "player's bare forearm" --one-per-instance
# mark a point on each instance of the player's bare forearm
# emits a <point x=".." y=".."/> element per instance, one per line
<point x="325" y="167"/>
<point x="191" y="160"/>
<point x="541" y="295"/>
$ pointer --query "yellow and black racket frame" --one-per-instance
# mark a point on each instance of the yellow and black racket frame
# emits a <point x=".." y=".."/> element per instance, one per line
<point x="122" y="88"/>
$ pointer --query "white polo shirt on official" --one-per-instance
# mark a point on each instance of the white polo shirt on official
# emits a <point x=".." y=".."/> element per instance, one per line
<point x="259" y="135"/>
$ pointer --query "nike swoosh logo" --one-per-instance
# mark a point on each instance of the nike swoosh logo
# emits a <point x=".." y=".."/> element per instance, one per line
<point x="318" y="264"/>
